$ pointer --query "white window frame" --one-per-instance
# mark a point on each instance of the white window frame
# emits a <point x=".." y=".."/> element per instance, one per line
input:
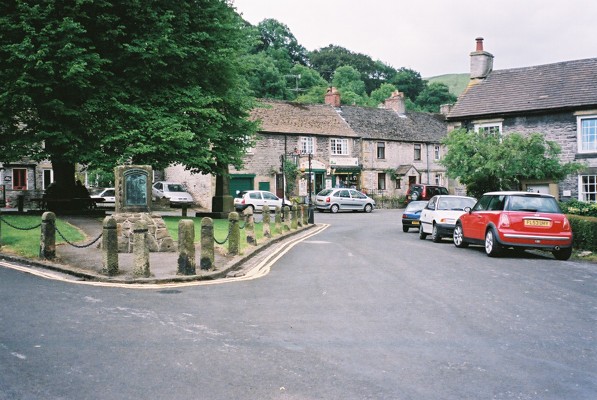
<point x="579" y="127"/>
<point x="437" y="152"/>
<point x="588" y="196"/>
<point x="438" y="179"/>
<point x="339" y="144"/>
<point x="307" y="145"/>
<point x="490" y="127"/>
<point x="418" y="152"/>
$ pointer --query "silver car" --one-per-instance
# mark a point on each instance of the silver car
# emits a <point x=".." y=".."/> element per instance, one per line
<point x="342" y="199"/>
<point x="173" y="191"/>
<point x="256" y="199"/>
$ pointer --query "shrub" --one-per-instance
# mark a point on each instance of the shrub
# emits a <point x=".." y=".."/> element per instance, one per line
<point x="585" y="232"/>
<point x="577" y="207"/>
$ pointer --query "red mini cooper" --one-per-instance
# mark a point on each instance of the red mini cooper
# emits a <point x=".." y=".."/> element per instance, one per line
<point x="515" y="219"/>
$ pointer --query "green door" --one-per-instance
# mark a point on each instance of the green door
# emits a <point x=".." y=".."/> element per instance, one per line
<point x="264" y="186"/>
<point x="240" y="183"/>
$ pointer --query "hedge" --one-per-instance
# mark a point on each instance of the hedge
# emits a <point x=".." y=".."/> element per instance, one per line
<point x="585" y="232"/>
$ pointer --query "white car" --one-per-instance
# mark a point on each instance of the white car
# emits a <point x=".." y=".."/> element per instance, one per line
<point x="342" y="199"/>
<point x="107" y="194"/>
<point x="173" y="191"/>
<point x="256" y="199"/>
<point x="438" y="218"/>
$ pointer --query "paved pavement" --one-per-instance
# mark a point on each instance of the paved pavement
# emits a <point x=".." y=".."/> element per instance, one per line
<point x="85" y="262"/>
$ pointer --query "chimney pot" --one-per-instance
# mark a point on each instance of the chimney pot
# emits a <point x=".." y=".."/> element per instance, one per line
<point x="479" y="44"/>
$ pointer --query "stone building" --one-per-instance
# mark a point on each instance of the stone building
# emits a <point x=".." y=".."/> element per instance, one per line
<point x="557" y="100"/>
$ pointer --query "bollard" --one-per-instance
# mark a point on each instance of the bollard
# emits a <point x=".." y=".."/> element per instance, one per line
<point x="250" y="226"/>
<point x="186" y="247"/>
<point x="305" y="215"/>
<point x="110" y="246"/>
<point x="140" y="250"/>
<point x="278" y="220"/>
<point x="47" y="248"/>
<point x="294" y="218"/>
<point x="234" y="238"/>
<point x="266" y="228"/>
<point x="299" y="215"/>
<point x="286" y="218"/>
<point x="207" y="258"/>
<point x="184" y="210"/>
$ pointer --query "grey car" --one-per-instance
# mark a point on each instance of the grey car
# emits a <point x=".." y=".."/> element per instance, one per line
<point x="342" y="199"/>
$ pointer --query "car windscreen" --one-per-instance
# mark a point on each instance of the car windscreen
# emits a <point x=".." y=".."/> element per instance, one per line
<point x="175" y="187"/>
<point x="415" y="206"/>
<point x="533" y="204"/>
<point x="455" y="203"/>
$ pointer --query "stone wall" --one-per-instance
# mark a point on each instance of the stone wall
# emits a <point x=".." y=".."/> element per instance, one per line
<point x="158" y="238"/>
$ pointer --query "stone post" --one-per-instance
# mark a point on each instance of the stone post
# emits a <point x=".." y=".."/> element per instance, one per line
<point x="140" y="250"/>
<point x="110" y="246"/>
<point x="250" y="226"/>
<point x="47" y="248"/>
<point x="294" y="220"/>
<point x="206" y="261"/>
<point x="286" y="218"/>
<point x="234" y="237"/>
<point x="186" y="247"/>
<point x="305" y="215"/>
<point x="267" y="229"/>
<point x="278" y="219"/>
<point x="301" y="215"/>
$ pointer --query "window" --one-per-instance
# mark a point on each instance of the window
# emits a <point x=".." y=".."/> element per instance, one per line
<point x="587" y="134"/>
<point x="588" y="188"/>
<point x="381" y="181"/>
<point x="339" y="146"/>
<point x="438" y="179"/>
<point x="381" y="150"/>
<point x="489" y="128"/>
<point x="307" y="145"/>
<point x="19" y="179"/>
<point x="417" y="151"/>
<point x="436" y="152"/>
<point x="48" y="177"/>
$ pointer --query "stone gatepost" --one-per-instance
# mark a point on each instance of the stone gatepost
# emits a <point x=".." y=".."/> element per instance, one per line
<point x="278" y="219"/>
<point x="234" y="237"/>
<point x="186" y="247"/>
<point x="140" y="250"/>
<point x="300" y="216"/>
<point x="110" y="247"/>
<point x="206" y="261"/>
<point x="305" y="215"/>
<point x="250" y="226"/>
<point x="47" y="248"/>
<point x="267" y="230"/>
<point x="294" y="220"/>
<point x="286" y="218"/>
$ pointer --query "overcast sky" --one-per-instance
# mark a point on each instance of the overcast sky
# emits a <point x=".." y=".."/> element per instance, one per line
<point x="435" y="37"/>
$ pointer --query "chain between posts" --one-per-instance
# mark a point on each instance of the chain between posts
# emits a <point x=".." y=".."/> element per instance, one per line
<point x="76" y="245"/>
<point x="17" y="227"/>
<point x="227" y="236"/>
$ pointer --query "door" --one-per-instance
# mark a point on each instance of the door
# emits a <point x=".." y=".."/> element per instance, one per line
<point x="238" y="184"/>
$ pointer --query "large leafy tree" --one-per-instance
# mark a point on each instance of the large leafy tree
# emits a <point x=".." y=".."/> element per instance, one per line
<point x="486" y="161"/>
<point x="107" y="82"/>
<point x="276" y="40"/>
<point x="433" y="96"/>
<point x="409" y="82"/>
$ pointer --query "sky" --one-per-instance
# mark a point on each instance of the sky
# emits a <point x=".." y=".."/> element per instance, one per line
<point x="436" y="37"/>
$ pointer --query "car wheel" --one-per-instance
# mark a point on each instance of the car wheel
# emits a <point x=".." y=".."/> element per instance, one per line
<point x="404" y="228"/>
<point x="435" y="234"/>
<point x="492" y="247"/>
<point x="334" y="208"/>
<point x="368" y="208"/>
<point x="422" y="235"/>
<point x="562" y="254"/>
<point x="459" y="237"/>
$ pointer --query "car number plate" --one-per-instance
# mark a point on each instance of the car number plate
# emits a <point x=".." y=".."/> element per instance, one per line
<point x="415" y="222"/>
<point x="536" y="222"/>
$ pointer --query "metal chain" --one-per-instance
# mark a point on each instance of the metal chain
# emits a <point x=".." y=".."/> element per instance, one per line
<point x="76" y="245"/>
<point x="227" y="236"/>
<point x="19" y="228"/>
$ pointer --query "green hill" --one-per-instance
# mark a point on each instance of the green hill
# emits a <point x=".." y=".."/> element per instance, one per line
<point x="455" y="82"/>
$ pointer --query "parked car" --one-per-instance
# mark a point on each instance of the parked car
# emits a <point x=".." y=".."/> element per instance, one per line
<point x="520" y="220"/>
<point x="256" y="199"/>
<point x="175" y="192"/>
<point x="411" y="214"/>
<point x="107" y="194"/>
<point x="424" y="192"/>
<point x="342" y="199"/>
<point x="439" y="216"/>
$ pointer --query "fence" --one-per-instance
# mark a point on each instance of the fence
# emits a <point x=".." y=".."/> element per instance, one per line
<point x="286" y="219"/>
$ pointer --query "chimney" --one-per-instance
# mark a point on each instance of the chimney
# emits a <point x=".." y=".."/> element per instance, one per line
<point x="481" y="61"/>
<point x="445" y="109"/>
<point x="396" y="102"/>
<point x="332" y="97"/>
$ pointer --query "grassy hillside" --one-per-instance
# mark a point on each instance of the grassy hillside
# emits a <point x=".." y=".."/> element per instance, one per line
<point x="455" y="82"/>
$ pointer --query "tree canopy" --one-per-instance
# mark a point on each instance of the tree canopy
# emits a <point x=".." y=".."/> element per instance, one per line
<point x="485" y="161"/>
<point x="109" y="82"/>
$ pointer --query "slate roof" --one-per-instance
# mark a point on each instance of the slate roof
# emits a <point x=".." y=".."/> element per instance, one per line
<point x="384" y="124"/>
<point x="295" y="118"/>
<point x="549" y="87"/>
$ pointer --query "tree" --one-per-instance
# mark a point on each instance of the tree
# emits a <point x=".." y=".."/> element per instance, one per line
<point x="486" y="161"/>
<point x="378" y="96"/>
<point x="408" y="82"/>
<point x="108" y="82"/>
<point x="348" y="81"/>
<point x="277" y="41"/>
<point x="265" y="79"/>
<point x="433" y="96"/>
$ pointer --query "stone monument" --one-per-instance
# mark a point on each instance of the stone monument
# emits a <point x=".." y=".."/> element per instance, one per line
<point x="133" y="204"/>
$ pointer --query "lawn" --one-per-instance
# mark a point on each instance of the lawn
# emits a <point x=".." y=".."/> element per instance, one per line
<point x="26" y="243"/>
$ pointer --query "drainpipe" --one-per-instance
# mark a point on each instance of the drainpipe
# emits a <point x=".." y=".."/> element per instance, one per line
<point x="427" y="161"/>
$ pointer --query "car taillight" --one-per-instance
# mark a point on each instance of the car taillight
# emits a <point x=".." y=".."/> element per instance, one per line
<point x="403" y="215"/>
<point x="566" y="225"/>
<point x="504" y="221"/>
<point x="242" y="201"/>
<point x="327" y="199"/>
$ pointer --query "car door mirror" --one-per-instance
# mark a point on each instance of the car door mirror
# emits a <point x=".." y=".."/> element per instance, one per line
<point x="468" y="210"/>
